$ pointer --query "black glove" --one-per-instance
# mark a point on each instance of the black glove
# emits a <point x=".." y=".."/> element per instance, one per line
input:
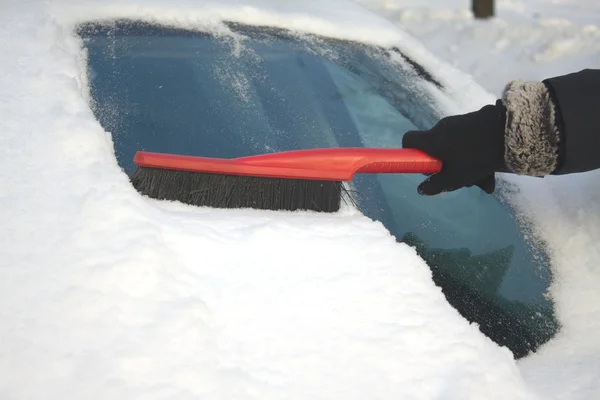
<point x="471" y="147"/>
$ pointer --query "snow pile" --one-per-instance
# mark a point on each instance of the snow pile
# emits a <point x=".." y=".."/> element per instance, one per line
<point x="527" y="40"/>
<point x="535" y="39"/>
<point x="105" y="294"/>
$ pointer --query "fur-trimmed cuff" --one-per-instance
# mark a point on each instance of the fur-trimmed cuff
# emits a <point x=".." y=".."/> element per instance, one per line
<point x="531" y="134"/>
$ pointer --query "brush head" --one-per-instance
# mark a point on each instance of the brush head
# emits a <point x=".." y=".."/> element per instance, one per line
<point x="238" y="191"/>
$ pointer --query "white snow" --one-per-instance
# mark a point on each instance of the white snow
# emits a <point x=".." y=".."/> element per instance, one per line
<point x="567" y="212"/>
<point x="534" y="40"/>
<point x="105" y="294"/>
<point x="528" y="39"/>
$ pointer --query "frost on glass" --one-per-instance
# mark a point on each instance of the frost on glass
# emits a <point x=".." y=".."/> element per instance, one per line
<point x="259" y="91"/>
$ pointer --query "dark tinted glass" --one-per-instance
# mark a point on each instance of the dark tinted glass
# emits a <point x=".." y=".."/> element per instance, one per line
<point x="173" y="91"/>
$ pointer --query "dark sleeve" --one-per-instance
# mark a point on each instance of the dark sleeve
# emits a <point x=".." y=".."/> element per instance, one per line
<point x="577" y="100"/>
<point x="553" y="127"/>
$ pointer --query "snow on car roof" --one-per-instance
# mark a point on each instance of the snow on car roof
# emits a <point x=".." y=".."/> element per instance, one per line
<point x="106" y="294"/>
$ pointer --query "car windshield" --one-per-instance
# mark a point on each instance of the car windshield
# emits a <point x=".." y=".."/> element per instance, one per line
<point x="263" y="90"/>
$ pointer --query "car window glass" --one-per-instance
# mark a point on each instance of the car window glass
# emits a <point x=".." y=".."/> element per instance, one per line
<point x="163" y="90"/>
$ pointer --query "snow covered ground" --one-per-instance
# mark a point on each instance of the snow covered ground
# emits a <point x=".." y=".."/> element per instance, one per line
<point x="528" y="39"/>
<point x="104" y="294"/>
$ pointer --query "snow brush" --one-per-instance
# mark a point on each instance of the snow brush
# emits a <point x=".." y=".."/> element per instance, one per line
<point x="292" y="180"/>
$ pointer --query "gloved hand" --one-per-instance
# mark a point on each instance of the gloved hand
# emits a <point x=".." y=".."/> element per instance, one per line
<point x="471" y="147"/>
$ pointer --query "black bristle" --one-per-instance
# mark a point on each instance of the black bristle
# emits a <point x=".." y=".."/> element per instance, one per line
<point x="231" y="191"/>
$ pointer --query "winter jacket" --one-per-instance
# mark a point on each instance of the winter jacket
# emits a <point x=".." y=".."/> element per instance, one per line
<point x="553" y="126"/>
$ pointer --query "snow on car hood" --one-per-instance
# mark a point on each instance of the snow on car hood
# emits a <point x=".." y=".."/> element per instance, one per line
<point x="105" y="294"/>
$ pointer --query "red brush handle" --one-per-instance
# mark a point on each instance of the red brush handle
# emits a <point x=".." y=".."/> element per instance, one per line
<point x="338" y="164"/>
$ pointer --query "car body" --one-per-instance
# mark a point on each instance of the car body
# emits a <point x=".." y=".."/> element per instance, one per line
<point x="243" y="301"/>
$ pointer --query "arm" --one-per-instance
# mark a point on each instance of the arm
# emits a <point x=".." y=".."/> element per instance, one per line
<point x="542" y="128"/>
